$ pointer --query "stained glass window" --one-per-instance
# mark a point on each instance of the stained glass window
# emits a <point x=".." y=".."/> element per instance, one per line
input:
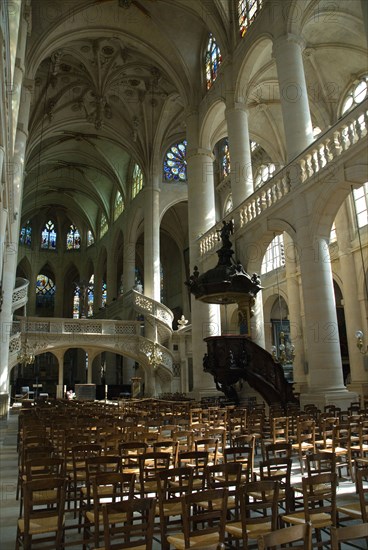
<point x="90" y="238"/>
<point x="118" y="206"/>
<point x="226" y="159"/>
<point x="73" y="239"/>
<point x="275" y="255"/>
<point x="76" y="302"/>
<point x="357" y="93"/>
<point x="248" y="11"/>
<point x="333" y="236"/>
<point x="48" y="236"/>
<point x="91" y="295"/>
<point x="212" y="61"/>
<point x="137" y="180"/>
<point x="175" y="163"/>
<point x="104" y="294"/>
<point x="26" y="234"/>
<point x="45" y="292"/>
<point x="103" y="225"/>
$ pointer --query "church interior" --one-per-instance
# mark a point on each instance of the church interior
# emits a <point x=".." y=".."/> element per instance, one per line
<point x="184" y="216"/>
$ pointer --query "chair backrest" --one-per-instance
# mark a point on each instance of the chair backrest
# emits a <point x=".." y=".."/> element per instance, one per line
<point x="319" y="463"/>
<point x="319" y="495"/>
<point x="203" y="520"/>
<point x="173" y="483"/>
<point x="276" y="450"/>
<point x="362" y="486"/>
<point x="258" y="502"/>
<point x="348" y="533"/>
<point x="129" y="524"/>
<point x="243" y="455"/>
<point x="296" y="533"/>
<point x="44" y="467"/>
<point x="223" y="475"/>
<point x="209" y="444"/>
<point x="279" y="469"/>
<point x="45" y="498"/>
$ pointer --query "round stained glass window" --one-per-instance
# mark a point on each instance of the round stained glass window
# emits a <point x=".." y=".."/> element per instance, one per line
<point x="175" y="164"/>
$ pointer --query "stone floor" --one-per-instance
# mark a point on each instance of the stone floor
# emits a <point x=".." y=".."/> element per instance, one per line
<point x="9" y="506"/>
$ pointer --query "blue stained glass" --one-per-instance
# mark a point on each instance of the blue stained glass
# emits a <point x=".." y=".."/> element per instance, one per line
<point x="175" y="164"/>
<point x="212" y="61"/>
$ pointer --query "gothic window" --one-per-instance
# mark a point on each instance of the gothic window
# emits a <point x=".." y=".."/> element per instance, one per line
<point x="76" y="302"/>
<point x="90" y="238"/>
<point x="225" y="162"/>
<point x="25" y="236"/>
<point x="212" y="61"/>
<point x="48" y="236"/>
<point x="357" y="93"/>
<point x="104" y="294"/>
<point x="274" y="256"/>
<point x="361" y="204"/>
<point x="228" y="205"/>
<point x="103" y="225"/>
<point x="45" y="292"/>
<point x="253" y="145"/>
<point x="118" y="206"/>
<point x="73" y="239"/>
<point x="263" y="173"/>
<point x="248" y="11"/>
<point x="175" y="163"/>
<point x="137" y="185"/>
<point x="91" y="295"/>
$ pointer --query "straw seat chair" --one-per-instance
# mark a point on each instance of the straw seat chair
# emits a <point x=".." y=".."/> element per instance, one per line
<point x="43" y="520"/>
<point x="282" y="538"/>
<point x="348" y="534"/>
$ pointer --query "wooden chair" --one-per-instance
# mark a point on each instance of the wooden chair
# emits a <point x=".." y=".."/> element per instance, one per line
<point x="258" y="506"/>
<point x="319" y="498"/>
<point x="305" y="440"/>
<point x="172" y="484"/>
<point x="197" y="460"/>
<point x="359" y="508"/>
<point x="129" y="524"/>
<point x="106" y="488"/>
<point x="168" y="446"/>
<point x="279" y="469"/>
<point x="43" y="520"/>
<point x="208" y="444"/>
<point x="243" y="455"/>
<point x="281" y="538"/>
<point x="348" y="534"/>
<point x="130" y="452"/>
<point x="202" y="526"/>
<point x="149" y="465"/>
<point x="78" y="477"/>
<point x="39" y="468"/>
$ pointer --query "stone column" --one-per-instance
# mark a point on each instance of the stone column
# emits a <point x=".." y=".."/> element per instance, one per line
<point x="240" y="153"/>
<point x="18" y="72"/>
<point x="287" y="51"/>
<point x="59" y="354"/>
<point x="152" y="273"/>
<point x="15" y="176"/>
<point x="325" y="376"/>
<point x="353" y="320"/>
<point x="201" y="213"/>
<point x="111" y="275"/>
<point x="128" y="267"/>
<point x="293" y="293"/>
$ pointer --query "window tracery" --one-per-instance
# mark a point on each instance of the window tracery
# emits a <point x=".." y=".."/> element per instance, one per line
<point x="119" y="205"/>
<point x="357" y="93"/>
<point x="212" y="61"/>
<point x="90" y="238"/>
<point x="247" y="12"/>
<point x="263" y="174"/>
<point x="73" y="239"/>
<point x="137" y="184"/>
<point x="225" y="163"/>
<point x="45" y="292"/>
<point x="274" y="256"/>
<point x="48" y="236"/>
<point x="25" y="236"/>
<point x="175" y="163"/>
<point x="103" y="225"/>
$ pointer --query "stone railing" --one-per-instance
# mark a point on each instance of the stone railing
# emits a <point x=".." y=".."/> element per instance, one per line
<point x="146" y="305"/>
<point x="20" y="293"/>
<point x="320" y="155"/>
<point x="80" y="326"/>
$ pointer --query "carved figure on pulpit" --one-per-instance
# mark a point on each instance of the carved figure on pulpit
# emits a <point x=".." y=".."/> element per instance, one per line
<point x="224" y="233"/>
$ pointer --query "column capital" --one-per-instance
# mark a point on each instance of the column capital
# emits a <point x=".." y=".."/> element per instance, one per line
<point x="235" y="107"/>
<point x="28" y="84"/>
<point x="199" y="152"/>
<point x="287" y="39"/>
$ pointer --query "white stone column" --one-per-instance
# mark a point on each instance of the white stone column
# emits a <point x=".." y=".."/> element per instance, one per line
<point x="257" y="322"/>
<point x="201" y="214"/>
<point x="15" y="183"/>
<point x="325" y="376"/>
<point x="294" y="306"/>
<point x="19" y="72"/>
<point x="152" y="240"/>
<point x="128" y="267"/>
<point x="297" y="121"/>
<point x="240" y="153"/>
<point x="59" y="354"/>
<point x="111" y="275"/>
<point x="353" y="320"/>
